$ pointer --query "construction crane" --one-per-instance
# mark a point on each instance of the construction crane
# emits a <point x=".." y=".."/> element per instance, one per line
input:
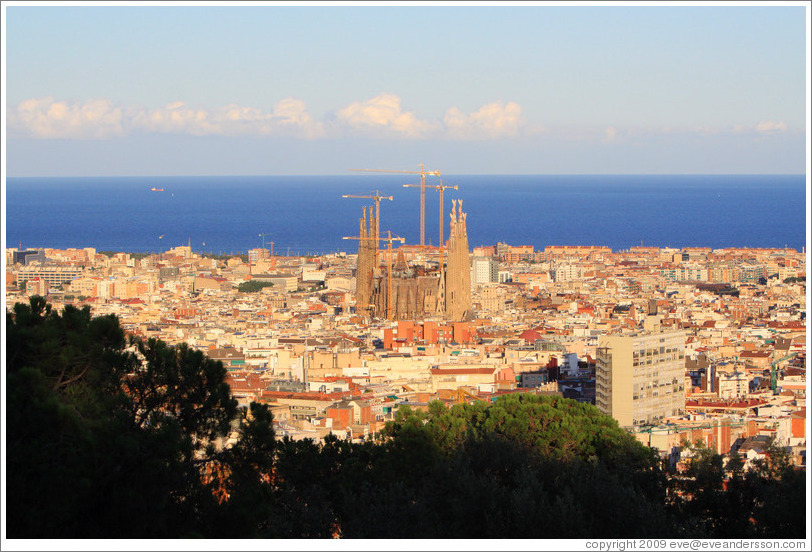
<point x="442" y="190"/>
<point x="263" y="244"/>
<point x="774" y="372"/>
<point x="464" y="396"/>
<point x="377" y="197"/>
<point x="423" y="173"/>
<point x="390" y="238"/>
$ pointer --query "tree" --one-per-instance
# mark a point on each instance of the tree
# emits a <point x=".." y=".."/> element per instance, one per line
<point x="723" y="500"/>
<point x="554" y="427"/>
<point x="524" y="466"/>
<point x="115" y="438"/>
<point x="253" y="286"/>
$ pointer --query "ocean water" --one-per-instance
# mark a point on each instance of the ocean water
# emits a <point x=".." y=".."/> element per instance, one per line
<point x="307" y="215"/>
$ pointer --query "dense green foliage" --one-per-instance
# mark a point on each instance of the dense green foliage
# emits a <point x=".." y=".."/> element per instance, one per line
<point x="109" y="441"/>
<point x="727" y="501"/>
<point x="116" y="438"/>
<point x="253" y="286"/>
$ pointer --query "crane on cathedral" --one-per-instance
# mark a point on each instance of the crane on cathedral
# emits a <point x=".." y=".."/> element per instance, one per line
<point x="422" y="185"/>
<point x="441" y="188"/>
<point x="377" y="197"/>
<point x="369" y="244"/>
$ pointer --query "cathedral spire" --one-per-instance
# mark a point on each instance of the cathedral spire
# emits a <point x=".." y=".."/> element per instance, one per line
<point x="458" y="273"/>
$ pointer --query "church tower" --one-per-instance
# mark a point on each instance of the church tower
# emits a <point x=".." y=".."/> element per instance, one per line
<point x="458" y="271"/>
<point x="367" y="260"/>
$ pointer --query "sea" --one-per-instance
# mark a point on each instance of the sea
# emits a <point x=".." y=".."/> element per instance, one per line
<point x="307" y="215"/>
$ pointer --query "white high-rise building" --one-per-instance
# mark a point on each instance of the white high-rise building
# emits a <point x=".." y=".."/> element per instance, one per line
<point x="484" y="270"/>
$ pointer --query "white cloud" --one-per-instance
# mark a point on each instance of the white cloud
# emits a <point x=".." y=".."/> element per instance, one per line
<point x="610" y="133"/>
<point x="383" y="115"/>
<point x="491" y="121"/>
<point x="289" y="116"/>
<point x="764" y="127"/>
<point x="175" y="117"/>
<point x="47" y="118"/>
<point x="771" y="127"/>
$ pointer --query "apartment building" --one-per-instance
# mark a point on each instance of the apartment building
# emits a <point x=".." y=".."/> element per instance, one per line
<point x="514" y="253"/>
<point x="732" y="385"/>
<point x="640" y="376"/>
<point x="52" y="275"/>
<point x="484" y="270"/>
<point x="567" y="272"/>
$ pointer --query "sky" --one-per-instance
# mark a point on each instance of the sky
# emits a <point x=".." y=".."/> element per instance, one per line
<point x="271" y="89"/>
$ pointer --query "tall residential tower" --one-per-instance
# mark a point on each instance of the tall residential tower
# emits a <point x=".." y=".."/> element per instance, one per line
<point x="640" y="376"/>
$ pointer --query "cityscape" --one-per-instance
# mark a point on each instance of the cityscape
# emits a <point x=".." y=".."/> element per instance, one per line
<point x="675" y="344"/>
<point x="679" y="346"/>
<point x="400" y="390"/>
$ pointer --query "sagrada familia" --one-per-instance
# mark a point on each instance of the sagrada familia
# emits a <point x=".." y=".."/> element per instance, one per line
<point x="415" y="292"/>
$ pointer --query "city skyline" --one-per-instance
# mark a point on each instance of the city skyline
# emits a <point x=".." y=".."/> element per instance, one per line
<point x="615" y="321"/>
<point x="533" y="89"/>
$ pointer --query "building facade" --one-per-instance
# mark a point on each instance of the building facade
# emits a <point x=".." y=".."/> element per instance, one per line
<point x="484" y="270"/>
<point x="52" y="275"/>
<point x="640" y="377"/>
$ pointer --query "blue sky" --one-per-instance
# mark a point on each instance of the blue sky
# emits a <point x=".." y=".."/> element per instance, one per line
<point x="267" y="89"/>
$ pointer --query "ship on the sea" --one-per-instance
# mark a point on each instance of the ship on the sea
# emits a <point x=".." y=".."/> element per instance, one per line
<point x="156" y="190"/>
